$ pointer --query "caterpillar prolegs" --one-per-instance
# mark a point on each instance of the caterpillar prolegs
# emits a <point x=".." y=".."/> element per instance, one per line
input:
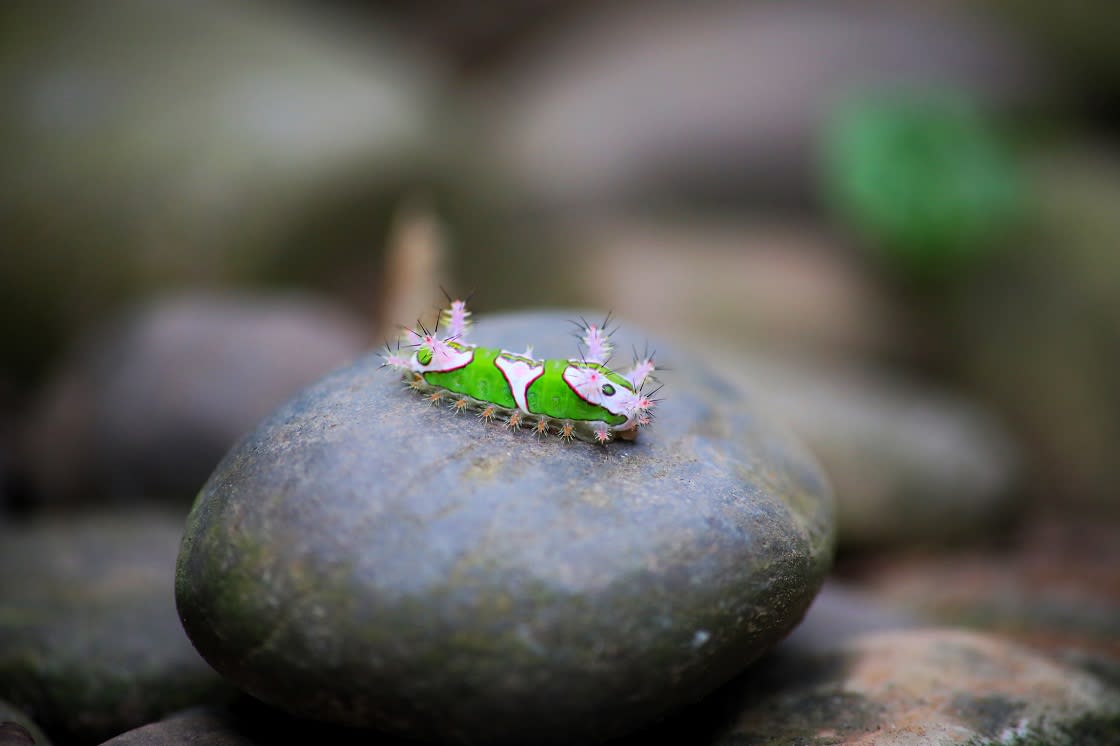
<point x="576" y="398"/>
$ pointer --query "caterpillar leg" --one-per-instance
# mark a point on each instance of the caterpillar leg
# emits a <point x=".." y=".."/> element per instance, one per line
<point x="514" y="420"/>
<point x="602" y="434"/>
<point x="567" y="431"/>
<point x="541" y="428"/>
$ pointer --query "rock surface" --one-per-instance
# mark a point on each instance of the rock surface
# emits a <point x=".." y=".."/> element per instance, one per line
<point x="90" y="644"/>
<point x="148" y="406"/>
<point x="243" y="722"/>
<point x="364" y="559"/>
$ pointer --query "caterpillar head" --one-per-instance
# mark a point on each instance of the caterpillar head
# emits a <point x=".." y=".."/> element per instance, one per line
<point x="598" y="385"/>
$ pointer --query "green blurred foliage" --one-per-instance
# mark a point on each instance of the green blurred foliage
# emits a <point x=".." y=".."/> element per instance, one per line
<point x="925" y="181"/>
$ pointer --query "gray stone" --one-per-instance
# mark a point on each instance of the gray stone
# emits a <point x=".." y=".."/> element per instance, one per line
<point x="910" y="463"/>
<point x="243" y="722"/>
<point x="90" y="644"/>
<point x="150" y="404"/>
<point x="365" y="559"/>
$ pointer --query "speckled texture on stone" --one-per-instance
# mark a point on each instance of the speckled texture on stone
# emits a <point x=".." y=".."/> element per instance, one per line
<point x="910" y="687"/>
<point x="89" y="641"/>
<point x="365" y="559"/>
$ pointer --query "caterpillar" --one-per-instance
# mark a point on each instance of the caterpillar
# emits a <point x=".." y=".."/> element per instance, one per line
<point x="577" y="398"/>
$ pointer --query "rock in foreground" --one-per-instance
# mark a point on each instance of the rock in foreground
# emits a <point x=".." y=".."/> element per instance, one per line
<point x="364" y="559"/>
<point x="936" y="686"/>
<point x="89" y="641"/>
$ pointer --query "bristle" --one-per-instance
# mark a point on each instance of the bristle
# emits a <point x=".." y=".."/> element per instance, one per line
<point x="596" y="339"/>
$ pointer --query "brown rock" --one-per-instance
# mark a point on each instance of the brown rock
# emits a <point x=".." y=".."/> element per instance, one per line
<point x="899" y="688"/>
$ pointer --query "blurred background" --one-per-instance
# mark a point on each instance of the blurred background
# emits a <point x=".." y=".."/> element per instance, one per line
<point x="896" y="221"/>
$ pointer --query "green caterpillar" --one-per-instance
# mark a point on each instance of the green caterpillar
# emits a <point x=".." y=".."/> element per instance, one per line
<point x="578" y="398"/>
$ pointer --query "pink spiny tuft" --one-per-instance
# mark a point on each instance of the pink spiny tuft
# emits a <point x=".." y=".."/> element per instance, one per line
<point x="589" y="387"/>
<point x="457" y="318"/>
<point x="441" y="351"/>
<point x="395" y="361"/>
<point x="640" y="372"/>
<point x="598" y="344"/>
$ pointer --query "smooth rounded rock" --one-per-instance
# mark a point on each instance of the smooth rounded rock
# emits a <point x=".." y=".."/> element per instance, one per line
<point x="365" y="559"/>
<point x="151" y="402"/>
<point x="89" y="641"/>
<point x="910" y="463"/>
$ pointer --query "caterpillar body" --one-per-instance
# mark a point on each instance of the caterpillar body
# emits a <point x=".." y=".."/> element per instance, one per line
<point x="576" y="398"/>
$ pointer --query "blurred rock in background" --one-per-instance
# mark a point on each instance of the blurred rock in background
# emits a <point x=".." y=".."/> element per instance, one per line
<point x="911" y="465"/>
<point x="732" y="283"/>
<point x="151" y="145"/>
<point x="1054" y="585"/>
<point x="655" y="104"/>
<point x="1038" y="332"/>
<point x="148" y="404"/>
